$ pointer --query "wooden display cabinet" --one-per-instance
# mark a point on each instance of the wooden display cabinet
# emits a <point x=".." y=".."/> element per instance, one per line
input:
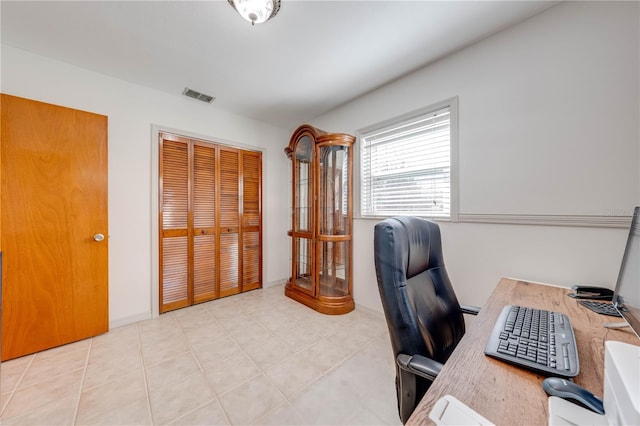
<point x="322" y="219"/>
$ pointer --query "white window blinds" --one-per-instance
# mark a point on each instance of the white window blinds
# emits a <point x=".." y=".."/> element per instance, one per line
<point x="406" y="167"/>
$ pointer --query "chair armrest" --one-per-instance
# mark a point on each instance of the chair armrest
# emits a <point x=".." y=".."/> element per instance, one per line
<point x="419" y="365"/>
<point x="470" y="309"/>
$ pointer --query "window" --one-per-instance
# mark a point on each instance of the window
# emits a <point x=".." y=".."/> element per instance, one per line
<point x="406" y="164"/>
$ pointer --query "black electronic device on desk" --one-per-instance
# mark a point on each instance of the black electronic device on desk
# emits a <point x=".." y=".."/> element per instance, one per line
<point x="538" y="340"/>
<point x="590" y="292"/>
<point x="600" y="299"/>
<point x="562" y="388"/>
<point x="602" y="308"/>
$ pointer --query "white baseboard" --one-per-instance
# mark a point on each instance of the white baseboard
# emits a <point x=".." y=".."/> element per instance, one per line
<point x="129" y="320"/>
<point x="370" y="311"/>
<point x="275" y="283"/>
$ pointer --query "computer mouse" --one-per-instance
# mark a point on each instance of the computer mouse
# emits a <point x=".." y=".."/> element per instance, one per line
<point x="566" y="389"/>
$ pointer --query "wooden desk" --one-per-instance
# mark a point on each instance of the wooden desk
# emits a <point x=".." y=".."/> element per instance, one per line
<point x="509" y="395"/>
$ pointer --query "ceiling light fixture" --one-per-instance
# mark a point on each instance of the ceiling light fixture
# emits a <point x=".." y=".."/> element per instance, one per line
<point x="256" y="11"/>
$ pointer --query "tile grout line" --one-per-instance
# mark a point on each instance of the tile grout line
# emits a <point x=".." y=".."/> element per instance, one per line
<point x="287" y="401"/>
<point x="324" y="374"/>
<point x="202" y="371"/>
<point x="186" y="338"/>
<point x="185" y="377"/>
<point x="15" y="387"/>
<point x="216" y="399"/>
<point x="224" y="411"/>
<point x="174" y="421"/>
<point x="144" y="374"/>
<point x="84" y="375"/>
<point x="262" y="372"/>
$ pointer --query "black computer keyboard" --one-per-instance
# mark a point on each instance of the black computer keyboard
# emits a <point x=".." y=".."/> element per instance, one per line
<point x="538" y="340"/>
<point x="602" y="308"/>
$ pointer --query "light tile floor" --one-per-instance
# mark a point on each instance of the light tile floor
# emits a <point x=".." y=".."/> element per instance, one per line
<point x="253" y="358"/>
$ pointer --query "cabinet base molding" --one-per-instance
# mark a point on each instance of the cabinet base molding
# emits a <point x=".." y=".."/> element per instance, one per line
<point x="328" y="306"/>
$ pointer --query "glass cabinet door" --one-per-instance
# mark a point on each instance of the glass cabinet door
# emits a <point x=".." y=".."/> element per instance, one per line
<point x="334" y="221"/>
<point x="303" y="181"/>
<point x="302" y="215"/>
<point x="304" y="265"/>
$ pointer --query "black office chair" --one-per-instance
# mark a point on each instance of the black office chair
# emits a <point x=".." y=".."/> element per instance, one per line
<point x="423" y="314"/>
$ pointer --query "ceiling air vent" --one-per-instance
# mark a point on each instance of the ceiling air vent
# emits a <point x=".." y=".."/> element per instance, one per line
<point x="197" y="95"/>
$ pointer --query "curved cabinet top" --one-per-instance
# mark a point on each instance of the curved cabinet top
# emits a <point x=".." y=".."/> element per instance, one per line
<point x="317" y="136"/>
<point x="305" y="129"/>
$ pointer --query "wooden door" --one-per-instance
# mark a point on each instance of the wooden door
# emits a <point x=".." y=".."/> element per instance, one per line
<point x="174" y="224"/>
<point x="251" y="220"/>
<point x="210" y="220"/>
<point x="54" y="201"/>
<point x="229" y="227"/>
<point x="205" y="233"/>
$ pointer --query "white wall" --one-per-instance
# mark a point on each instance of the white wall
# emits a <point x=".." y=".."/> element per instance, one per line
<point x="132" y="111"/>
<point x="551" y="103"/>
<point x="548" y="125"/>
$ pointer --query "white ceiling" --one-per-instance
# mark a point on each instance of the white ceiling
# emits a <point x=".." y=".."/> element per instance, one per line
<point x="312" y="57"/>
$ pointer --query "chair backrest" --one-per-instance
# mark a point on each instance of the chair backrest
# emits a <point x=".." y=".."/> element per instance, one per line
<point x="420" y="305"/>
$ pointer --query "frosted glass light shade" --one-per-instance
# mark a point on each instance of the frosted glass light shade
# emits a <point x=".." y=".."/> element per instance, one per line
<point x="256" y="11"/>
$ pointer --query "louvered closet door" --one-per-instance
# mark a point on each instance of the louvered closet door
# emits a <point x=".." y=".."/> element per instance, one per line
<point x="251" y="220"/>
<point x="204" y="223"/>
<point x="229" y="221"/>
<point x="174" y="219"/>
<point x="211" y="226"/>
